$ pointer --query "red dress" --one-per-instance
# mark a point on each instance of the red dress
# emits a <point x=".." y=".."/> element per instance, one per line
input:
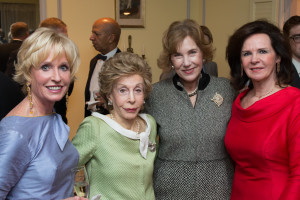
<point x="264" y="143"/>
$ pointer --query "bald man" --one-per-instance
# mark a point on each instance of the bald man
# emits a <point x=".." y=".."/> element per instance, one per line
<point x="105" y="38"/>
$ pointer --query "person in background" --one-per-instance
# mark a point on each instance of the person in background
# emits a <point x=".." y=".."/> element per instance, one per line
<point x="263" y="135"/>
<point x="119" y="148"/>
<point x="291" y="31"/>
<point x="61" y="27"/>
<point x="209" y="67"/>
<point x="19" y="32"/>
<point x="105" y="38"/>
<point x="55" y="24"/>
<point x="2" y="37"/>
<point x="11" y="95"/>
<point x="36" y="154"/>
<point x="192" y="111"/>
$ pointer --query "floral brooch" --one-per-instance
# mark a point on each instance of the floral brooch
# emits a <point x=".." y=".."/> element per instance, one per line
<point x="218" y="99"/>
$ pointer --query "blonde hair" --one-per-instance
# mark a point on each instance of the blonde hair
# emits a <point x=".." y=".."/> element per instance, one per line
<point x="36" y="48"/>
<point x="121" y="65"/>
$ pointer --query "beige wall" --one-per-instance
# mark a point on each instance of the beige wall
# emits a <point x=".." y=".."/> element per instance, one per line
<point x="222" y="17"/>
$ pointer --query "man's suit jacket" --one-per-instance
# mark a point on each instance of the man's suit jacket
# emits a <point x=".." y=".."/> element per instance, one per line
<point x="211" y="68"/>
<point x="87" y="87"/>
<point x="11" y="95"/>
<point x="5" y="50"/>
<point x="296" y="80"/>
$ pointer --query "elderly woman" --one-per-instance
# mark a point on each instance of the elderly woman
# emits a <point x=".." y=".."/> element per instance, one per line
<point x="118" y="149"/>
<point x="36" y="155"/>
<point x="192" y="111"/>
<point x="263" y="136"/>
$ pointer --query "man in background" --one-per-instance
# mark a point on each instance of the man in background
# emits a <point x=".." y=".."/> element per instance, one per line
<point x="291" y="31"/>
<point x="10" y="93"/>
<point x="19" y="32"/>
<point x="105" y="38"/>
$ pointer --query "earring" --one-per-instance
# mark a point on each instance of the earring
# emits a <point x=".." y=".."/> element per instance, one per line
<point x="29" y="97"/>
<point x="277" y="67"/>
<point x="172" y="67"/>
<point x="109" y="103"/>
<point x="203" y="60"/>
<point x="144" y="102"/>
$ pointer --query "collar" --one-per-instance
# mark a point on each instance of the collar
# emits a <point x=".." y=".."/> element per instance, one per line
<point x="61" y="131"/>
<point x="203" y="82"/>
<point x="111" y="53"/>
<point x="297" y="65"/>
<point x="143" y="136"/>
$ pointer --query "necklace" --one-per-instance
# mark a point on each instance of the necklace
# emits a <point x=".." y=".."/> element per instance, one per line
<point x="260" y="97"/>
<point x="193" y="93"/>
<point x="136" y="121"/>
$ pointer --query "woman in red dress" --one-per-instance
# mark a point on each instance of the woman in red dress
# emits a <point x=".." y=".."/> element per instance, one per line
<point x="263" y="135"/>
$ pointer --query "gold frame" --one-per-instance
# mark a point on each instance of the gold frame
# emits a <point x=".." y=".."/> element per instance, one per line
<point x="136" y="20"/>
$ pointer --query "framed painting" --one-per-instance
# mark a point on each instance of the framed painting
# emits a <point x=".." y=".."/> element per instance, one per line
<point x="130" y="13"/>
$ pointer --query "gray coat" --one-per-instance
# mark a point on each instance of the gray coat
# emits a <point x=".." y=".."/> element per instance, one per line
<point x="192" y="161"/>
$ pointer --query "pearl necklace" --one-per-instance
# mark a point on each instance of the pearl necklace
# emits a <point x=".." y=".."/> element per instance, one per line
<point x="193" y="93"/>
<point x="136" y="121"/>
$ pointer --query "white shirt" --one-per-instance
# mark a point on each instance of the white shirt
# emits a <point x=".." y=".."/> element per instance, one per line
<point x="297" y="65"/>
<point x="94" y="84"/>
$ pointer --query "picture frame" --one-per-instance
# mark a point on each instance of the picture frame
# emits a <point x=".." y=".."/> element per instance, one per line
<point x="130" y="13"/>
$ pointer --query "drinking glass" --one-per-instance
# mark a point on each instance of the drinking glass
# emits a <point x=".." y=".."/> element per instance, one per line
<point x="81" y="185"/>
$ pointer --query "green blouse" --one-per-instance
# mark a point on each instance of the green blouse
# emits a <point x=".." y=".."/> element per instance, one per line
<point x="114" y="163"/>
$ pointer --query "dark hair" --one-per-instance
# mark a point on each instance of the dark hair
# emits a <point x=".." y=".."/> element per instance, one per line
<point x="279" y="44"/>
<point x="290" y="23"/>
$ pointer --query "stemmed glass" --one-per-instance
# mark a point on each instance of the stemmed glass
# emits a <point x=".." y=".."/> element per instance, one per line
<point x="81" y="185"/>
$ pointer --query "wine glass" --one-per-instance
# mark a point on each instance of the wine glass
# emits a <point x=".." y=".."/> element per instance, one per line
<point x="81" y="185"/>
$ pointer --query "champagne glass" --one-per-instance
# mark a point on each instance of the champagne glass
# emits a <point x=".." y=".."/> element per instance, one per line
<point x="81" y="185"/>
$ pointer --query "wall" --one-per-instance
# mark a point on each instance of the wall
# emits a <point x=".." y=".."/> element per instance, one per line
<point x="222" y="18"/>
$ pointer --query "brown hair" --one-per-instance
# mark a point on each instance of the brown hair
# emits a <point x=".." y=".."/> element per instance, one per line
<point x="173" y="38"/>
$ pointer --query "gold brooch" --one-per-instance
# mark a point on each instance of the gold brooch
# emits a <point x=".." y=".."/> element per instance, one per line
<point x="218" y="99"/>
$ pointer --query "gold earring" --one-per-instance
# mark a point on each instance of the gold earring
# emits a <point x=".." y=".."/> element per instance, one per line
<point x="29" y="97"/>
<point x="277" y="68"/>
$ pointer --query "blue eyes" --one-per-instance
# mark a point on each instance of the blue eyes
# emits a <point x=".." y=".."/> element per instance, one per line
<point x="47" y="67"/>
<point x="64" y="67"/>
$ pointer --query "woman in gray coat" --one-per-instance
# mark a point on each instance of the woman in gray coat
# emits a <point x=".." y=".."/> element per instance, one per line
<point x="192" y="110"/>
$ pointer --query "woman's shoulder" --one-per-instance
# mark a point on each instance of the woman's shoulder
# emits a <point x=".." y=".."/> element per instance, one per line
<point x="222" y="84"/>
<point x="163" y="83"/>
<point x="149" y="117"/>
<point x="91" y="119"/>
<point x="292" y="94"/>
<point x="220" y="80"/>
